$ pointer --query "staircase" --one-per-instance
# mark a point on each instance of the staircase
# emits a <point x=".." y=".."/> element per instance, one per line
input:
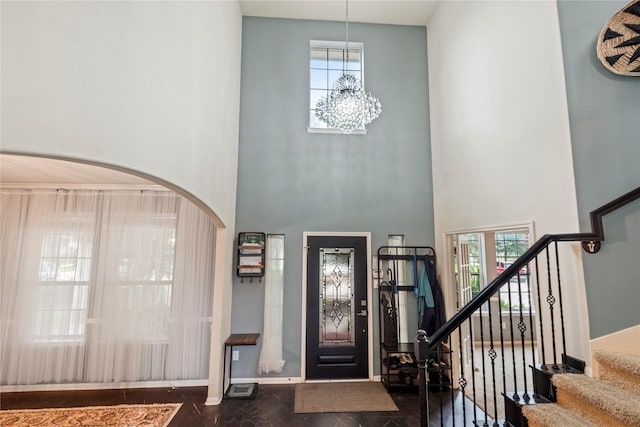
<point x="612" y="400"/>
<point x="554" y="392"/>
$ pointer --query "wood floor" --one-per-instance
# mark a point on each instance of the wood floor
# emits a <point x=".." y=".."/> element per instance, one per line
<point x="272" y="406"/>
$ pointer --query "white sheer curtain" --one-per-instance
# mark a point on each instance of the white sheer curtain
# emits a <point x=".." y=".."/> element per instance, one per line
<point x="46" y="248"/>
<point x="104" y="287"/>
<point x="190" y="322"/>
<point x="271" y="351"/>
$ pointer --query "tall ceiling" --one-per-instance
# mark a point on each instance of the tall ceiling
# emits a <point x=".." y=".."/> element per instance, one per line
<point x="398" y="12"/>
<point x="15" y="170"/>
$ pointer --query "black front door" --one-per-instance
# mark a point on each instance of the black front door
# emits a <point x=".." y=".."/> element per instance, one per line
<point x="336" y="307"/>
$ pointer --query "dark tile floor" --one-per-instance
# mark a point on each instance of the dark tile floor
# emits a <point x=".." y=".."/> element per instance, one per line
<point x="272" y="406"/>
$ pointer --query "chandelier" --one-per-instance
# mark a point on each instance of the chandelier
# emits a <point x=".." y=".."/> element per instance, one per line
<point x="348" y="106"/>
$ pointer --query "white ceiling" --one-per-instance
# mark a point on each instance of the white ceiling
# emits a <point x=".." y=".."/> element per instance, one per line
<point x="399" y="12"/>
<point x="37" y="171"/>
<point x="15" y="170"/>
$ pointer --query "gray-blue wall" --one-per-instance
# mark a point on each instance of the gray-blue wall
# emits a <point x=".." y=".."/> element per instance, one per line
<point x="291" y="181"/>
<point x="604" y="113"/>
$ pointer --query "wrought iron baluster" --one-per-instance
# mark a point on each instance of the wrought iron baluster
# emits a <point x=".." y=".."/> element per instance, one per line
<point x="453" y="418"/>
<point x="440" y="379"/>
<point x="516" y="396"/>
<point x="492" y="355"/>
<point x="541" y="331"/>
<point x="522" y="327"/>
<point x="533" y="350"/>
<point x="551" y="300"/>
<point x="564" y="342"/>
<point x="462" y="381"/>
<point x="484" y="372"/>
<point x="473" y="373"/>
<point x="504" y="369"/>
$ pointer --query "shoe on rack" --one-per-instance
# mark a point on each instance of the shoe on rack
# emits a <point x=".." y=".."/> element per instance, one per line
<point x="393" y="362"/>
<point x="405" y="378"/>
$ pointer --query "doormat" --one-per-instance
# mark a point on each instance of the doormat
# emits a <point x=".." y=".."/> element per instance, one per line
<point x="96" y="416"/>
<point x="342" y="397"/>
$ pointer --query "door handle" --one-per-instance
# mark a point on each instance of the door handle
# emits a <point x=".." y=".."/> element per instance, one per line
<point x="363" y="313"/>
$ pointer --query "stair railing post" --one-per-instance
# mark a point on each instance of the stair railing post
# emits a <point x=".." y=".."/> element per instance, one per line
<point x="421" y="350"/>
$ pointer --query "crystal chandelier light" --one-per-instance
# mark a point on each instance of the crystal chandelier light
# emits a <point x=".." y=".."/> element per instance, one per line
<point x="348" y="106"/>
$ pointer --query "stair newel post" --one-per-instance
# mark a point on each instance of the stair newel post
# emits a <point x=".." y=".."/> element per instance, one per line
<point x="421" y="350"/>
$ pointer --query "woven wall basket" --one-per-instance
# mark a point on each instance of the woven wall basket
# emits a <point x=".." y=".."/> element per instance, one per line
<point x="618" y="46"/>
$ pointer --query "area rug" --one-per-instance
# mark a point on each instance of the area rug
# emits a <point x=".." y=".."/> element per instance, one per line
<point x="158" y="415"/>
<point x="342" y="397"/>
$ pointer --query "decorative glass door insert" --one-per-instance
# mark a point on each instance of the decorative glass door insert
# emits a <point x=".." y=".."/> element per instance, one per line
<point x="336" y="297"/>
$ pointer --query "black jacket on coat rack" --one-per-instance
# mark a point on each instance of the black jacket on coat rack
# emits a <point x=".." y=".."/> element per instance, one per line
<point x="433" y="317"/>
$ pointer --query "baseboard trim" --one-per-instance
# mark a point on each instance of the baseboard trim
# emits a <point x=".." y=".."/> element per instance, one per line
<point x="103" y="386"/>
<point x="624" y="341"/>
<point x="267" y="380"/>
<point x="212" y="401"/>
<point x="292" y="380"/>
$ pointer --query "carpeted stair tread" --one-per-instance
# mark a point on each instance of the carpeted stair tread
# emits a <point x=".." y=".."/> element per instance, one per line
<point x="552" y="415"/>
<point x="620" y="369"/>
<point x="598" y="401"/>
<point x="626" y="362"/>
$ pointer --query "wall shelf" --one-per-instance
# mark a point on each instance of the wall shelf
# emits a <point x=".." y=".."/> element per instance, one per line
<point x="251" y="254"/>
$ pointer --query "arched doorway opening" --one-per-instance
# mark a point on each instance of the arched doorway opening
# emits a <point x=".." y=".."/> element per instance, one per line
<point x="111" y="254"/>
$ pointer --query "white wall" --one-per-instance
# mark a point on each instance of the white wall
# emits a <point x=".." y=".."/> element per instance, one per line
<point x="500" y="134"/>
<point x="151" y="87"/>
